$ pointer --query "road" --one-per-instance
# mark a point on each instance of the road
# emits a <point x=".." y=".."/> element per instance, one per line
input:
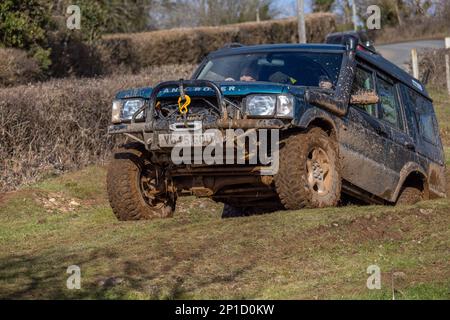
<point x="400" y="53"/>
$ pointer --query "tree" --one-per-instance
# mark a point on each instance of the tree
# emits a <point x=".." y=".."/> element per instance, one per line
<point x="191" y="13"/>
<point x="395" y="12"/>
<point x="219" y="12"/>
<point x="106" y="16"/>
<point x="23" y="25"/>
<point x="126" y="16"/>
<point x="345" y="9"/>
<point x="322" y="5"/>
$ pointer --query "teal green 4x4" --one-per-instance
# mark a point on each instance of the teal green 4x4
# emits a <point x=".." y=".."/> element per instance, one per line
<point x="348" y="125"/>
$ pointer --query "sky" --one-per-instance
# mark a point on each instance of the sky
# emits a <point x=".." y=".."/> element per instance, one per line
<point x="288" y="8"/>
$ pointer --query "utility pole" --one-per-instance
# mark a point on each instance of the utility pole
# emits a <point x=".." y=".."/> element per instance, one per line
<point x="447" y="64"/>
<point x="415" y="63"/>
<point x="301" y="21"/>
<point x="355" y="26"/>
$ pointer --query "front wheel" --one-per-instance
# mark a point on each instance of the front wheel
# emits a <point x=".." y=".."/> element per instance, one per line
<point x="309" y="175"/>
<point x="136" y="189"/>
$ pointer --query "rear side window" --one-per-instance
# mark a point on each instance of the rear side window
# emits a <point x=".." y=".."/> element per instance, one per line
<point x="389" y="105"/>
<point x="409" y="112"/>
<point x="422" y="109"/>
<point x="364" y="82"/>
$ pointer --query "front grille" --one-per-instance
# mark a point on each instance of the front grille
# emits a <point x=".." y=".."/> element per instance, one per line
<point x="200" y="109"/>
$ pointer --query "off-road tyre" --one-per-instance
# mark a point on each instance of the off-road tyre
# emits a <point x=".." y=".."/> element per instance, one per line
<point x="296" y="157"/>
<point x="409" y="196"/>
<point x="125" y="190"/>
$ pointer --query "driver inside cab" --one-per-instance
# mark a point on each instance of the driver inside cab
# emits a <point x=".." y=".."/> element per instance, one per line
<point x="248" y="74"/>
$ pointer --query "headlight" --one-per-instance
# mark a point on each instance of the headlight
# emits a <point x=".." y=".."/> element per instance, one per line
<point x="270" y="105"/>
<point x="125" y="109"/>
<point x="261" y="105"/>
<point x="116" y="110"/>
<point x="130" y="107"/>
<point x="285" y="106"/>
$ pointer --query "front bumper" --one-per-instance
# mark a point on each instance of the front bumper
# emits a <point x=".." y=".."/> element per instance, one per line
<point x="244" y="124"/>
<point x="147" y="132"/>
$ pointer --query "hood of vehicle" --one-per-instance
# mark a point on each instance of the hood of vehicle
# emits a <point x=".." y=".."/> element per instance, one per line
<point x="231" y="89"/>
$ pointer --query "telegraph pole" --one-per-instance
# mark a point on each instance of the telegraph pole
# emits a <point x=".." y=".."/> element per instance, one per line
<point x="447" y="63"/>
<point x="355" y="26"/>
<point x="301" y="21"/>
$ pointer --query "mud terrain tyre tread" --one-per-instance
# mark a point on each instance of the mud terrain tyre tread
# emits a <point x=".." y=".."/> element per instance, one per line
<point x="291" y="180"/>
<point x="123" y="189"/>
<point x="409" y="196"/>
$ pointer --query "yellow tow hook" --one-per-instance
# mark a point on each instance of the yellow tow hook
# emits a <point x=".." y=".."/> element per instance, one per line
<point x="183" y="108"/>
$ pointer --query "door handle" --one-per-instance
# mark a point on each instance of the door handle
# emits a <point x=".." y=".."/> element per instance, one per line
<point x="410" y="146"/>
<point x="381" y="132"/>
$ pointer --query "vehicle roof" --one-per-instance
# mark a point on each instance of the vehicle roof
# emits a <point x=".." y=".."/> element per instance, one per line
<point x="276" y="47"/>
<point x="373" y="59"/>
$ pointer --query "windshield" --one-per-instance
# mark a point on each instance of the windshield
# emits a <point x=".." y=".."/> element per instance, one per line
<point x="296" y="68"/>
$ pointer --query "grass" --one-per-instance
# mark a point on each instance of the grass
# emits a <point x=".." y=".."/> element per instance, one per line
<point x="308" y="254"/>
<point x="442" y="107"/>
<point x="286" y="255"/>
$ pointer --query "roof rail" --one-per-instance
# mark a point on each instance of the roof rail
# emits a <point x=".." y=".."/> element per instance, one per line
<point x="233" y="45"/>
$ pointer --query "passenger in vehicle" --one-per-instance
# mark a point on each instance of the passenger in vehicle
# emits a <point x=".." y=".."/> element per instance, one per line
<point x="249" y="74"/>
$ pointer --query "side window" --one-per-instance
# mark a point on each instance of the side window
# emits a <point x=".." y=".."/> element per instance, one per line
<point x="364" y="82"/>
<point x="407" y="98"/>
<point x="426" y="124"/>
<point x="425" y="117"/>
<point x="389" y="105"/>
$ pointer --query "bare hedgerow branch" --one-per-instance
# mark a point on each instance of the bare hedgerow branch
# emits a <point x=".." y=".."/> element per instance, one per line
<point x="60" y="125"/>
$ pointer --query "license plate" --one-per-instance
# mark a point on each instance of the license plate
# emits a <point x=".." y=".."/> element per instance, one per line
<point x="187" y="139"/>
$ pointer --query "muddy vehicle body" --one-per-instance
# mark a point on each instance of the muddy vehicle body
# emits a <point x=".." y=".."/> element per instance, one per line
<point x="350" y="125"/>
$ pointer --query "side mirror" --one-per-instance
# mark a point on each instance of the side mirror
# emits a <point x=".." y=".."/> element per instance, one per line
<point x="364" y="98"/>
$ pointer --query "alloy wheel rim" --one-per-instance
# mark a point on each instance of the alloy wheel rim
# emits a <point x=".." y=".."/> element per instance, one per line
<point x="148" y="183"/>
<point x="318" y="171"/>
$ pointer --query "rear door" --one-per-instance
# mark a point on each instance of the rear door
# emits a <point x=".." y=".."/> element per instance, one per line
<point x="424" y="126"/>
<point x="363" y="142"/>
<point x="424" y="131"/>
<point x="399" y="147"/>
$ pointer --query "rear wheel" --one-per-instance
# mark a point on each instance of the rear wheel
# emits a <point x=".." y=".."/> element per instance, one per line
<point x="309" y="173"/>
<point x="410" y="196"/>
<point x="136" y="189"/>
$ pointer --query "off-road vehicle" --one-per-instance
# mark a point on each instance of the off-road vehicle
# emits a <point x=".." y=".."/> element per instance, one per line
<point x="350" y="125"/>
